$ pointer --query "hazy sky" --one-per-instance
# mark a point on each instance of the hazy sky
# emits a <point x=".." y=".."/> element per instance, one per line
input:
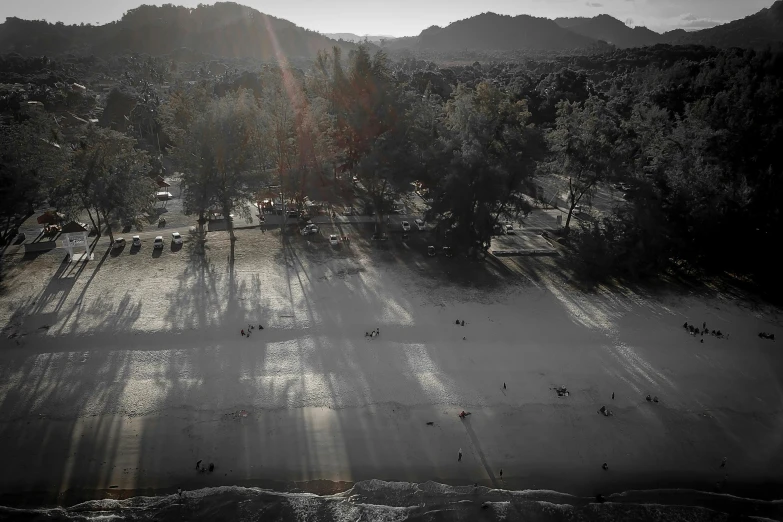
<point x="410" y="17"/>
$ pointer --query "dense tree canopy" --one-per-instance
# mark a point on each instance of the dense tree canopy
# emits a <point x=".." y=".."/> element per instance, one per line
<point x="691" y="134"/>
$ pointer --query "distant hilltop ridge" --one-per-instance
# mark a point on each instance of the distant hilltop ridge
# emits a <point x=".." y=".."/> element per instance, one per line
<point x="231" y="30"/>
<point x="225" y="29"/>
<point x="503" y="32"/>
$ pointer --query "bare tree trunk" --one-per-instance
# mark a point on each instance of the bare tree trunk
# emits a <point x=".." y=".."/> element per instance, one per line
<point x="201" y="221"/>
<point x="98" y="225"/>
<point x="571" y="208"/>
<point x="111" y="234"/>
<point x="230" y="229"/>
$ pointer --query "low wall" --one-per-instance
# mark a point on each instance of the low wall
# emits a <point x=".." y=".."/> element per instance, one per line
<point x="40" y="246"/>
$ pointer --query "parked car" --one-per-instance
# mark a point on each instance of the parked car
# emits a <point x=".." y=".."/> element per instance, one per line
<point x="158" y="243"/>
<point x="349" y="211"/>
<point x="118" y="243"/>
<point x="136" y="241"/>
<point x="310" y="228"/>
<point x="448" y="251"/>
<point x="431" y="251"/>
<point x="333" y="240"/>
<point x="176" y="238"/>
<point x="419" y="224"/>
<point x="406" y="227"/>
<point x="508" y="228"/>
<point x="293" y="213"/>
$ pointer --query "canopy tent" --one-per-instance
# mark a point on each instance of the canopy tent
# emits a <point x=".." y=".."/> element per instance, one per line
<point x="50" y="217"/>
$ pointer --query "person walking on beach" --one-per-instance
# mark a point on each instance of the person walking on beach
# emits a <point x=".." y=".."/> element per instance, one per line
<point x="198" y="464"/>
<point x="504" y="385"/>
<point x="459" y="455"/>
<point x="723" y="463"/>
<point x="501" y="473"/>
<point x="242" y="332"/>
<point x="612" y="395"/>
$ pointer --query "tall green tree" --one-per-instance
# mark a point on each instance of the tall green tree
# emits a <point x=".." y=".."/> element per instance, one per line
<point x="32" y="154"/>
<point x="108" y="178"/>
<point x="218" y="152"/>
<point x="372" y="129"/>
<point x="486" y="158"/>
<point x="583" y="147"/>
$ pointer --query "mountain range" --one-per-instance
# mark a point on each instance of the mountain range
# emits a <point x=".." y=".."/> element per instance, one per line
<point x="499" y="32"/>
<point x="613" y="31"/>
<point x="230" y="30"/>
<point x="490" y="31"/>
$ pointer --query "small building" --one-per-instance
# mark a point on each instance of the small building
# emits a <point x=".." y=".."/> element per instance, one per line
<point x="75" y="236"/>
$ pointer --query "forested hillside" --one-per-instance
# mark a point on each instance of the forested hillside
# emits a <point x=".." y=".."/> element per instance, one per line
<point x="490" y="31"/>
<point x="225" y="29"/>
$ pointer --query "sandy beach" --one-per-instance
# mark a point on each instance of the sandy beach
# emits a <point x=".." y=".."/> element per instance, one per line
<point x="122" y="373"/>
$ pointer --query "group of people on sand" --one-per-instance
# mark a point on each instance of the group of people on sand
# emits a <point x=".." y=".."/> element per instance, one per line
<point x="765" y="335"/>
<point x="202" y="469"/>
<point x="461" y="323"/>
<point x="372" y="334"/>
<point x="249" y="327"/>
<point x="695" y="330"/>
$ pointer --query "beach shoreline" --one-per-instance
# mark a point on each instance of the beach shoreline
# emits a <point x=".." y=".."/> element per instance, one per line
<point x="164" y="467"/>
<point x="730" y="502"/>
<point x="131" y="388"/>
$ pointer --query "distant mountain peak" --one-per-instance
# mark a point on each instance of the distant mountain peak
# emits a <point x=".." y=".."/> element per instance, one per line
<point x="492" y="31"/>
<point x="225" y="29"/>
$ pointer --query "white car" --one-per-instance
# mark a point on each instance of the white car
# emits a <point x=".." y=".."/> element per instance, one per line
<point x="333" y="240"/>
<point x="176" y="238"/>
<point x="136" y="241"/>
<point x="158" y="243"/>
<point x="419" y="224"/>
<point x="118" y="243"/>
<point x="406" y="227"/>
<point x="508" y="228"/>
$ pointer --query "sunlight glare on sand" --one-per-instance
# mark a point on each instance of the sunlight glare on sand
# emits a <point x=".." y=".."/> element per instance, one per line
<point x="426" y="373"/>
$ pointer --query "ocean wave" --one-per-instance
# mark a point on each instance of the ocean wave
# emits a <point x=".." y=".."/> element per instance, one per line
<point x="378" y="500"/>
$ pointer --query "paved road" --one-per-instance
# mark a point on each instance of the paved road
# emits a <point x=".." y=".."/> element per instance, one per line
<point x="605" y="198"/>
